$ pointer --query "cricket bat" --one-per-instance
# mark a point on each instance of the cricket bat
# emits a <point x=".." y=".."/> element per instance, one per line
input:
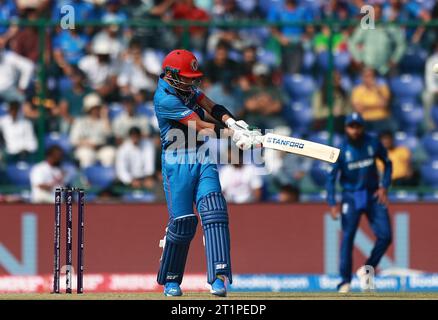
<point x="301" y="147"/>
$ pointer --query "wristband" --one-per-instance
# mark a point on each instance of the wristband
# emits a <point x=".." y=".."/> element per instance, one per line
<point x="218" y="111"/>
<point x="217" y="129"/>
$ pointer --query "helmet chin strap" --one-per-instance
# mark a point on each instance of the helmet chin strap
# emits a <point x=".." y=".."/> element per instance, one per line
<point x="176" y="83"/>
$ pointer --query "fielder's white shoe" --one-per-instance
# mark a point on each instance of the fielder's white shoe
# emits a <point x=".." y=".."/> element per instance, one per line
<point x="366" y="278"/>
<point x="344" y="287"/>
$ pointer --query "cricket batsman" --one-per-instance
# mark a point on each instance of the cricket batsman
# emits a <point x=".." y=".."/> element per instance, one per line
<point x="363" y="192"/>
<point x="188" y="182"/>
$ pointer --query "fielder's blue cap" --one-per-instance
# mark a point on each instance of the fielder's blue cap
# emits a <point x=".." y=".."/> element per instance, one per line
<point x="354" y="117"/>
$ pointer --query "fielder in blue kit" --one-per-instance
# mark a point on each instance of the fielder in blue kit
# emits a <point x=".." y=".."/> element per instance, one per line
<point x="188" y="181"/>
<point x="363" y="191"/>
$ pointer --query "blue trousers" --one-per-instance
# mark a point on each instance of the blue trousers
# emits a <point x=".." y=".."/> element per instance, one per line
<point x="186" y="183"/>
<point x="189" y="181"/>
<point x="354" y="204"/>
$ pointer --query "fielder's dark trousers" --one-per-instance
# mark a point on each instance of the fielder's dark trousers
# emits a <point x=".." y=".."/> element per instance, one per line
<point x="378" y="217"/>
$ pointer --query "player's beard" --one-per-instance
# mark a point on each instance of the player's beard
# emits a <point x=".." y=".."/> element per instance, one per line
<point x="356" y="141"/>
<point x="186" y="96"/>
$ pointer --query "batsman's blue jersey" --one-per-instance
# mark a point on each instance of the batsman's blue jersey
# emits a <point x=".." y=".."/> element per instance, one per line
<point x="357" y="167"/>
<point x="186" y="180"/>
<point x="171" y="108"/>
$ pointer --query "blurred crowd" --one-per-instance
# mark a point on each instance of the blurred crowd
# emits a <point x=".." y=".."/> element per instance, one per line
<point x="98" y="82"/>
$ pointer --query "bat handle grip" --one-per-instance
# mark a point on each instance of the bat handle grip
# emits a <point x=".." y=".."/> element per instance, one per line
<point x="259" y="140"/>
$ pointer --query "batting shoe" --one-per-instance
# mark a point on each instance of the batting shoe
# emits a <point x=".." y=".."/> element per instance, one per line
<point x="344" y="287"/>
<point x="172" y="289"/>
<point x="218" y="287"/>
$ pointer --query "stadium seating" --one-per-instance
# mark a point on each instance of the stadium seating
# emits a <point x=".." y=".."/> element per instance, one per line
<point x="115" y="109"/>
<point x="379" y="80"/>
<point x="100" y="176"/>
<point x="71" y="172"/>
<point x="346" y="83"/>
<point x="341" y="60"/>
<point x="430" y="197"/>
<point x="266" y="5"/>
<point x="314" y="197"/>
<point x="406" y="84"/>
<point x="267" y="57"/>
<point x="324" y="137"/>
<point x="434" y="115"/>
<point x="309" y="60"/>
<point x="235" y="55"/>
<point x="410" y="116"/>
<point x="300" y="87"/>
<point x="406" y="88"/>
<point x="138" y="196"/>
<point x="413" y="61"/>
<point x="59" y="139"/>
<point x="402" y="196"/>
<point x="3" y="109"/>
<point x="318" y="173"/>
<point x="429" y="173"/>
<point x="407" y="140"/>
<point x="200" y="56"/>
<point x="430" y="144"/>
<point x="299" y="116"/>
<point x="64" y="84"/>
<point x="19" y="173"/>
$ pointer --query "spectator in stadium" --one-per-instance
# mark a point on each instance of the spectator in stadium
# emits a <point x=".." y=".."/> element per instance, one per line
<point x="13" y="66"/>
<point x="340" y="9"/>
<point x="123" y="123"/>
<point x="8" y="12"/>
<point x="246" y="74"/>
<point x="341" y="105"/>
<point x="263" y="103"/>
<point x="47" y="175"/>
<point x="71" y="103"/>
<point x="39" y="5"/>
<point x="380" y="48"/>
<point x="228" y="11"/>
<point x="221" y="68"/>
<point x="69" y="48"/>
<point x="82" y="10"/>
<point x="430" y="95"/>
<point x="101" y="70"/>
<point x="147" y="108"/>
<point x="111" y="35"/>
<point x="139" y="71"/>
<point x="223" y="93"/>
<point x="18" y="134"/>
<point x="288" y="194"/>
<point x="160" y="10"/>
<point x="240" y="182"/>
<point x="285" y="169"/>
<point x="90" y="133"/>
<point x="188" y="10"/>
<point x="114" y="12"/>
<point x="135" y="160"/>
<point x="26" y="40"/>
<point x="321" y="40"/>
<point x="403" y="173"/>
<point x="291" y="38"/>
<point x="371" y="100"/>
<point x="402" y="11"/>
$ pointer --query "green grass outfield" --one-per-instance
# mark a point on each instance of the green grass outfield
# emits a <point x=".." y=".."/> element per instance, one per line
<point x="231" y="296"/>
